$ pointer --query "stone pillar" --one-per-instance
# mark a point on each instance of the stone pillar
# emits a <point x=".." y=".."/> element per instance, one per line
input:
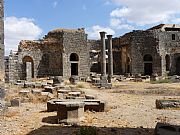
<point x="110" y="58"/>
<point x="3" y="106"/>
<point x="103" y="54"/>
<point x="28" y="71"/>
<point x="2" y="71"/>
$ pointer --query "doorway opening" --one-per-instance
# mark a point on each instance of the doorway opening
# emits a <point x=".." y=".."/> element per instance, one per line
<point x="148" y="60"/>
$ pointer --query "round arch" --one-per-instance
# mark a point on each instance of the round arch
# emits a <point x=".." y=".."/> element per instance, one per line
<point x="28" y="67"/>
<point x="74" y="57"/>
<point x="74" y="60"/>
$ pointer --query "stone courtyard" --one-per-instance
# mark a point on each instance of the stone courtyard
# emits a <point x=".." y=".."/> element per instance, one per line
<point x="130" y="110"/>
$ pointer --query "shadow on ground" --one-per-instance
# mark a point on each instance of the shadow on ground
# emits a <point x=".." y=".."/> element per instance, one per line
<point x="79" y="130"/>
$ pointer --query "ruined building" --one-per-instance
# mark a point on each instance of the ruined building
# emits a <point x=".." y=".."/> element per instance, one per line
<point x="67" y="52"/>
<point x="156" y="50"/>
<point x="62" y="52"/>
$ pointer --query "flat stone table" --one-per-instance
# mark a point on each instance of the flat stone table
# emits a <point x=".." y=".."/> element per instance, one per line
<point x="70" y="112"/>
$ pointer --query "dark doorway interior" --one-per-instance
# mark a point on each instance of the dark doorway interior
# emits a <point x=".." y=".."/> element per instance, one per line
<point x="74" y="68"/>
<point x="74" y="58"/>
<point x="148" y="69"/>
<point x="178" y="66"/>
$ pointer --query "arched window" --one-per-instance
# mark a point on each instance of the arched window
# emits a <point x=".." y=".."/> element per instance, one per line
<point x="74" y="63"/>
<point x="167" y="62"/>
<point x="28" y="67"/>
<point x="148" y="57"/>
<point x="74" y="57"/>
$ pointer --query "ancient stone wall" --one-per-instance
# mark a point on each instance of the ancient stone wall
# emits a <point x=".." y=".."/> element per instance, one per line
<point x="2" y="49"/>
<point x="145" y="43"/>
<point x="75" y="42"/>
<point x="170" y="47"/>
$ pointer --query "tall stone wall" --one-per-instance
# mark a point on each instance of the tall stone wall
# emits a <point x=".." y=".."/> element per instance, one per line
<point x="170" y="47"/>
<point x="76" y="42"/>
<point x="143" y="43"/>
<point x="2" y="72"/>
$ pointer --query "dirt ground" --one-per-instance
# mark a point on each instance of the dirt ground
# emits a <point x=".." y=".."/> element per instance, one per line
<point x="130" y="111"/>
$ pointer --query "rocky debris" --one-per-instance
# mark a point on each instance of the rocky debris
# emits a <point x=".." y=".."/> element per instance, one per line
<point x="90" y="96"/>
<point x="36" y="92"/>
<point x="57" y="79"/>
<point x="175" y="79"/>
<point x="15" y="102"/>
<point x="3" y="107"/>
<point x="50" y="89"/>
<point x="168" y="103"/>
<point x="24" y="92"/>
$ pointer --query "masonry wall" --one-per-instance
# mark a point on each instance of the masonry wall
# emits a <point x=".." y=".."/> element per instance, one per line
<point x="170" y="47"/>
<point x="75" y="42"/>
<point x="2" y="72"/>
<point x="145" y="42"/>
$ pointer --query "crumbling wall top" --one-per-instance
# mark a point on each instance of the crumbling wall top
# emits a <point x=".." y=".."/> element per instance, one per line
<point x="62" y="30"/>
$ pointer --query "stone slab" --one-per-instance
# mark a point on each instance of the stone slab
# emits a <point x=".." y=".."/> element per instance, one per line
<point x="167" y="129"/>
<point x="168" y="103"/>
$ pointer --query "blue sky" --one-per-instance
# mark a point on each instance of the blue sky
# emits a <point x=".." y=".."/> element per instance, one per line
<point x="32" y="19"/>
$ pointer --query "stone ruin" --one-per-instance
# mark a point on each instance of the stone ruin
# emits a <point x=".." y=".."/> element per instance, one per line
<point x="70" y="54"/>
<point x="2" y="72"/>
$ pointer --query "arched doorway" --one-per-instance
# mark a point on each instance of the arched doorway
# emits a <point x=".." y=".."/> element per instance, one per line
<point x="167" y="62"/>
<point x="178" y="66"/>
<point x="74" y="59"/>
<point x="28" y="67"/>
<point x="148" y="64"/>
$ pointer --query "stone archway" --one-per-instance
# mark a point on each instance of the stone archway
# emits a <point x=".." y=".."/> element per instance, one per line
<point x="28" y="68"/>
<point x="148" y="61"/>
<point x="178" y="66"/>
<point x="74" y="60"/>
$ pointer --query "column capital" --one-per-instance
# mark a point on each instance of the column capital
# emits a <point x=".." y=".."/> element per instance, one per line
<point x="109" y="36"/>
<point x="102" y="33"/>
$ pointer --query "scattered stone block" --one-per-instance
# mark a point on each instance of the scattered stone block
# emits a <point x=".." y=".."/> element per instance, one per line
<point x="47" y="95"/>
<point x="29" y="85"/>
<point x="3" y="107"/>
<point x="24" y="93"/>
<point x="89" y="96"/>
<point x="15" y="102"/>
<point x="38" y="85"/>
<point x="94" y="105"/>
<point x="70" y="112"/>
<point x="167" y="129"/>
<point x="168" y="103"/>
<point x="57" y="79"/>
<point x="50" y="89"/>
<point x="74" y="94"/>
<point x="62" y="93"/>
<point x="36" y="91"/>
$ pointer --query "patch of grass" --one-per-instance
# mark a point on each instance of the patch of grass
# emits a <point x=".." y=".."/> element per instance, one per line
<point x="87" y="131"/>
<point x="161" y="81"/>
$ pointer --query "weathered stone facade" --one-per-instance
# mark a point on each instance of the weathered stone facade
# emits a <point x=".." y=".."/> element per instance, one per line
<point x="156" y="50"/>
<point x="68" y="52"/>
<point x="62" y="52"/>
<point x="2" y="49"/>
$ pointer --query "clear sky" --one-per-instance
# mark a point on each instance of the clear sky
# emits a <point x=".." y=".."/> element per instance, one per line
<point x="32" y="19"/>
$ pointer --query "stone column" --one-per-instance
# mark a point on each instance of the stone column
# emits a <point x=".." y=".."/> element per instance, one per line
<point x="110" y="58"/>
<point x="28" y="71"/>
<point x="2" y="71"/>
<point x="103" y="54"/>
<point x="3" y="106"/>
